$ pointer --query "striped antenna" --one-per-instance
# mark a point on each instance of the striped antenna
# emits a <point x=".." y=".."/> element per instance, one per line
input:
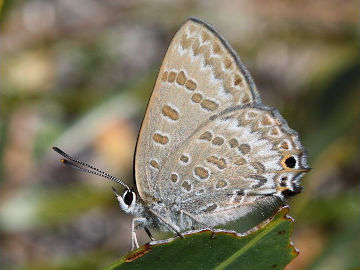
<point x="72" y="162"/>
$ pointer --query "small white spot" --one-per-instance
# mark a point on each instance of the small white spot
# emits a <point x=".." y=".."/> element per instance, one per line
<point x="273" y="163"/>
<point x="233" y="125"/>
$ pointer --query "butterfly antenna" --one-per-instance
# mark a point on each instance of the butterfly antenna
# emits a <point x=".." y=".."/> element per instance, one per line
<point x="71" y="162"/>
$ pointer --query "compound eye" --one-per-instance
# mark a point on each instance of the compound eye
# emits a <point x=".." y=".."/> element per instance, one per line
<point x="128" y="197"/>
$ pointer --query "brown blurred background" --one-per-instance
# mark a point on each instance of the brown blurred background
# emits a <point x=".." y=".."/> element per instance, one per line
<point x="78" y="74"/>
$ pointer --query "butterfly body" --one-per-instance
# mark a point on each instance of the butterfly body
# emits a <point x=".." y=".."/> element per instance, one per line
<point x="182" y="220"/>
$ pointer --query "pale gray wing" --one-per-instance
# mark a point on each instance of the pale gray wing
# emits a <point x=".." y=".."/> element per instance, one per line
<point x="234" y="158"/>
<point x="220" y="208"/>
<point x="199" y="77"/>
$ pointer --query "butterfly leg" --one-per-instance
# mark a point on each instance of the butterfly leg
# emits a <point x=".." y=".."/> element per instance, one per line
<point x="169" y="223"/>
<point x="149" y="234"/>
<point x="134" y="242"/>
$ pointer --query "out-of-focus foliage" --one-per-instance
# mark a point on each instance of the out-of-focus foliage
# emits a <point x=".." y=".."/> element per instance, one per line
<point x="78" y="74"/>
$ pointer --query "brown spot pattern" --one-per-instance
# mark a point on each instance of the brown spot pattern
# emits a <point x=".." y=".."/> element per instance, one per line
<point x="190" y="85"/>
<point x="170" y="113"/>
<point x="197" y="48"/>
<point x="284" y="145"/>
<point x="266" y="121"/>
<point x="218" y="141"/>
<point x="227" y="63"/>
<point x="196" y="97"/>
<point x="186" y="185"/>
<point x="240" y="161"/>
<point x="274" y="131"/>
<point x="154" y="164"/>
<point x="244" y="148"/>
<point x="205" y="44"/>
<point x="209" y="105"/>
<point x="164" y="76"/>
<point x="218" y="162"/>
<point x="201" y="173"/>
<point x="233" y="143"/>
<point x="237" y="79"/>
<point x="205" y="36"/>
<point x="181" y="78"/>
<point x="160" y="138"/>
<point x="184" y="158"/>
<point x="174" y="177"/>
<point x="259" y="167"/>
<point x="172" y="76"/>
<point x="206" y="136"/>
<point x="185" y="42"/>
<point x="245" y="98"/>
<point x="217" y="48"/>
<point x="219" y="73"/>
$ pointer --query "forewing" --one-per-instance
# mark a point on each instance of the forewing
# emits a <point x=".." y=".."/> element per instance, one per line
<point x="200" y="77"/>
<point x="236" y="157"/>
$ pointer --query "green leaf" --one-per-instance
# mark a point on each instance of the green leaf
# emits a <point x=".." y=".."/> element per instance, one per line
<point x="266" y="246"/>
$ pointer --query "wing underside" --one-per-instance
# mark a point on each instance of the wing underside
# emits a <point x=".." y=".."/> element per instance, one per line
<point x="200" y="76"/>
<point x="206" y="132"/>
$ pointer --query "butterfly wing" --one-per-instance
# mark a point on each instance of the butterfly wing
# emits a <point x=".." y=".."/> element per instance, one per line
<point x="236" y="157"/>
<point x="199" y="77"/>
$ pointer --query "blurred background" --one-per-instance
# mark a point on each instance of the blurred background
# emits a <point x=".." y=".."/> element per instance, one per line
<point x="78" y="75"/>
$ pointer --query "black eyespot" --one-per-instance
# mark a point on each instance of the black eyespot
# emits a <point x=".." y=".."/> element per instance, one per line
<point x="289" y="193"/>
<point x="128" y="197"/>
<point x="290" y="162"/>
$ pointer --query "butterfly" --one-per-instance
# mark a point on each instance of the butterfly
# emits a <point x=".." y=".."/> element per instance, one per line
<point x="209" y="151"/>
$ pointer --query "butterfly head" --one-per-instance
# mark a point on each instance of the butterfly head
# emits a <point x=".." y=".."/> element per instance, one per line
<point x="127" y="200"/>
